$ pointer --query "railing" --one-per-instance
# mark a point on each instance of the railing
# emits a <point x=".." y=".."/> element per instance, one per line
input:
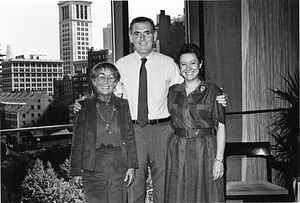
<point x="50" y="127"/>
<point x="70" y="125"/>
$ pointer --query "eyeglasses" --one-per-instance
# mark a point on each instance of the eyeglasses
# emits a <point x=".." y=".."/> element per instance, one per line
<point x="103" y="79"/>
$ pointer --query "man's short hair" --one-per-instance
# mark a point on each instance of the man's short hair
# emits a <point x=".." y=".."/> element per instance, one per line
<point x="141" y="20"/>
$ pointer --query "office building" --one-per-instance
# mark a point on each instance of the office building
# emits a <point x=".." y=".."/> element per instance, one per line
<point x="63" y="90"/>
<point x="170" y="33"/>
<point x="32" y="74"/>
<point x="75" y="32"/>
<point x="107" y="38"/>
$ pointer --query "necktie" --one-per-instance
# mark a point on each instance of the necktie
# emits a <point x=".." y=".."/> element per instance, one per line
<point x="142" y="102"/>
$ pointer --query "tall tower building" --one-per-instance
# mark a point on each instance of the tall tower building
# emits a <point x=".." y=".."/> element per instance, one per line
<point x="75" y="32"/>
<point x="107" y="38"/>
<point x="9" y="53"/>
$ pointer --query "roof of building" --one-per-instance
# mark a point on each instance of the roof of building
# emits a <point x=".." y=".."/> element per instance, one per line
<point x="14" y="101"/>
<point x="31" y="60"/>
<point x="20" y="98"/>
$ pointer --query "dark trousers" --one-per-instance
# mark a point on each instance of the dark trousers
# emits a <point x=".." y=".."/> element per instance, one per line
<point x="151" y="143"/>
<point x="106" y="183"/>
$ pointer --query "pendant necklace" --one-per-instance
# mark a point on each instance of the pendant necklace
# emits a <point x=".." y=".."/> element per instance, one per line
<point x="106" y="122"/>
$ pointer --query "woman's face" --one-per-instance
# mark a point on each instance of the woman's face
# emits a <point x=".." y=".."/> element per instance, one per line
<point x="105" y="82"/>
<point x="189" y="66"/>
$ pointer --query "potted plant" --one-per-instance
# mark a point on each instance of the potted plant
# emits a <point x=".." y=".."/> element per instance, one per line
<point x="285" y="131"/>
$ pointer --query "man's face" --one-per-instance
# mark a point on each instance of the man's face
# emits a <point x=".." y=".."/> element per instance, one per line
<point x="142" y="37"/>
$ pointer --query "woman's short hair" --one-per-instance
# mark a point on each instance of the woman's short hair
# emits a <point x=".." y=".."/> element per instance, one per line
<point x="105" y="66"/>
<point x="141" y="20"/>
<point x="187" y="49"/>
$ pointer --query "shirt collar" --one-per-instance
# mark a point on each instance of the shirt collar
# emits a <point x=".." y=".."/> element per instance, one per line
<point x="201" y="87"/>
<point x="112" y="98"/>
<point x="148" y="57"/>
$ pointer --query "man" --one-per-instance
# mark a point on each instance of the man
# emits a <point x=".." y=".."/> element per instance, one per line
<point x="151" y="137"/>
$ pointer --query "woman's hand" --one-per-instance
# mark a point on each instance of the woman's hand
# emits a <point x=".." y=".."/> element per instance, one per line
<point x="130" y="175"/>
<point x="77" y="179"/>
<point x="218" y="170"/>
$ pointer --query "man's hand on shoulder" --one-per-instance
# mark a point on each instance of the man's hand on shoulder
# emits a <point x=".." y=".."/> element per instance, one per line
<point x="222" y="99"/>
<point x="77" y="106"/>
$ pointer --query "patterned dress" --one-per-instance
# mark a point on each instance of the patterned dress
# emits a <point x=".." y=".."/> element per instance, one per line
<point x="192" y="148"/>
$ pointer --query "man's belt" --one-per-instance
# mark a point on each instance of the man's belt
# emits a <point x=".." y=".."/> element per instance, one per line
<point x="154" y="121"/>
<point x="189" y="133"/>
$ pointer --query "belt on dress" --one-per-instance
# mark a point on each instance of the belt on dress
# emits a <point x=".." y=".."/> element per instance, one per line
<point x="189" y="133"/>
<point x="154" y="121"/>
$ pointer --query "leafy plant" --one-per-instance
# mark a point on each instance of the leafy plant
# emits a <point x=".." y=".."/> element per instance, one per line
<point x="286" y="134"/>
<point x="43" y="185"/>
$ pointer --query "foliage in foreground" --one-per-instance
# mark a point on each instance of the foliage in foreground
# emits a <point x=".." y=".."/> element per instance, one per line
<point x="42" y="184"/>
<point x="286" y="133"/>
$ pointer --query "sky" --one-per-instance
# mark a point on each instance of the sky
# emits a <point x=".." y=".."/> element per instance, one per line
<point x="31" y="27"/>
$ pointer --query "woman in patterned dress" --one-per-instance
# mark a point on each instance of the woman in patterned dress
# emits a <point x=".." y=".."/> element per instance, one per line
<point x="195" y="156"/>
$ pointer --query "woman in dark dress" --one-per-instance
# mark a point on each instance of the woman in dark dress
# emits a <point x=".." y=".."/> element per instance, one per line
<point x="195" y="158"/>
<point x="103" y="146"/>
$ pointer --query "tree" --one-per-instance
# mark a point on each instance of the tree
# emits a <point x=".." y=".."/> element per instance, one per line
<point x="42" y="185"/>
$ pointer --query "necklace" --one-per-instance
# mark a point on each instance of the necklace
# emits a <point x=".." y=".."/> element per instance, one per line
<point x="106" y="122"/>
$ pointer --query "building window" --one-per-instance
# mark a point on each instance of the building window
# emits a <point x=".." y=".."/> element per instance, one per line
<point x="32" y="115"/>
<point x="39" y="106"/>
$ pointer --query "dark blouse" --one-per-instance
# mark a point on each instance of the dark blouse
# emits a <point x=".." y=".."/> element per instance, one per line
<point x="197" y="110"/>
<point x="103" y="136"/>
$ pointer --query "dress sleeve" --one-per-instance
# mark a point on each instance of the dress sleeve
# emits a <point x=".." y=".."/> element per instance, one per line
<point x="218" y="109"/>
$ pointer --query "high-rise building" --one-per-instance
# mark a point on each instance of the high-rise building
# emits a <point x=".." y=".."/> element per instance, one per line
<point x="32" y="74"/>
<point x="9" y="53"/>
<point x="107" y="38"/>
<point x="63" y="90"/>
<point x="75" y="30"/>
<point x="170" y="33"/>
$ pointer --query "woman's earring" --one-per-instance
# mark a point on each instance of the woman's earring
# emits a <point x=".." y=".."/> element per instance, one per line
<point x="114" y="89"/>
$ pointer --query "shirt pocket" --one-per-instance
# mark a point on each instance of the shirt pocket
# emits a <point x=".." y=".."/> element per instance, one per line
<point x="203" y="111"/>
